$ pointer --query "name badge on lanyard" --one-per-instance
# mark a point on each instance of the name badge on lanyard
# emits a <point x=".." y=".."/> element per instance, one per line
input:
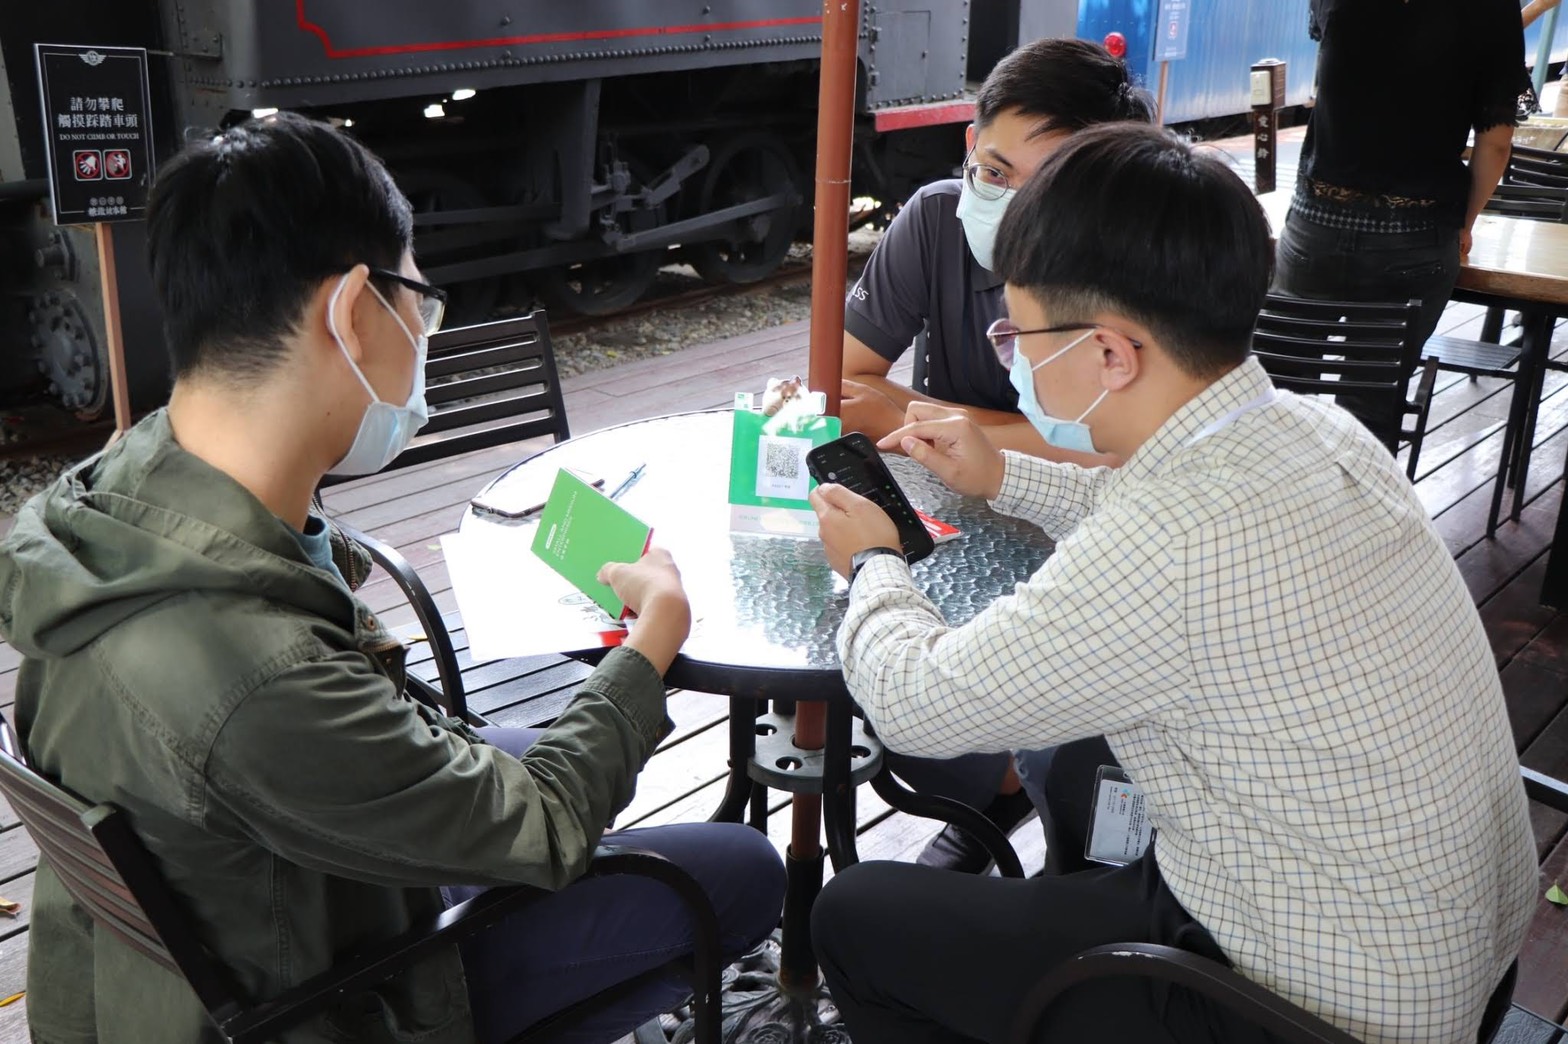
<point x="1119" y="828"/>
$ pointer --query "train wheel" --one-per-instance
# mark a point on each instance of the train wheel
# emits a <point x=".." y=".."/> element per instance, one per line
<point x="428" y="191"/>
<point x="750" y="166"/>
<point x="600" y="286"/>
<point x="604" y="285"/>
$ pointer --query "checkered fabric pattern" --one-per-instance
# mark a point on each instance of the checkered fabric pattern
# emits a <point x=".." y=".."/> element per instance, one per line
<point x="1350" y="218"/>
<point x="1262" y="621"/>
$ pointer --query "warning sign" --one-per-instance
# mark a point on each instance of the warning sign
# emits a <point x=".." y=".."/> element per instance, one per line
<point x="89" y="165"/>
<point x="1170" y="34"/>
<point x="96" y="109"/>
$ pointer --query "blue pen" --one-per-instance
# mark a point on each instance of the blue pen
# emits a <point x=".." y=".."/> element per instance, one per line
<point x="628" y="481"/>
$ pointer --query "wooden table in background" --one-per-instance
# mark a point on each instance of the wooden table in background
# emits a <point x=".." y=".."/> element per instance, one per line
<point x="1522" y="264"/>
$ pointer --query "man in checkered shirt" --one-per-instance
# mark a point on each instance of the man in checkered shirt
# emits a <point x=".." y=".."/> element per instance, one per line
<point x="1254" y="611"/>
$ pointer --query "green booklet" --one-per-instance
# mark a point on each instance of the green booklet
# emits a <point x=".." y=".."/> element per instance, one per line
<point x="580" y="530"/>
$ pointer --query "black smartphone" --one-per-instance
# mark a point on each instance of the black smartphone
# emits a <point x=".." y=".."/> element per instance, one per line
<point x="855" y="463"/>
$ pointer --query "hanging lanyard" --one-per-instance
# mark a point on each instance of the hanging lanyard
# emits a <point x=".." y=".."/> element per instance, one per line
<point x="1217" y="426"/>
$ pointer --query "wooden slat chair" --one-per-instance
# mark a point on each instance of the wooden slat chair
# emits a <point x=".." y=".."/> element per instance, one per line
<point x="1355" y="351"/>
<point x="486" y="385"/>
<point x="105" y="868"/>
<point x="1285" y="1021"/>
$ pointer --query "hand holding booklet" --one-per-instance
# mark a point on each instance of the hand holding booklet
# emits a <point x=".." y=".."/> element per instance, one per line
<point x="523" y="592"/>
<point x="580" y="530"/>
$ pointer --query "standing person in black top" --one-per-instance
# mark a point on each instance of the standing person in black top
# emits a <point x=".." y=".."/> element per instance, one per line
<point x="932" y="272"/>
<point x="1384" y="201"/>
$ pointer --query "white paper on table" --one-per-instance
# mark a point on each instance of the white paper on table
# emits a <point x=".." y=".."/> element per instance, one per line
<point x="515" y="605"/>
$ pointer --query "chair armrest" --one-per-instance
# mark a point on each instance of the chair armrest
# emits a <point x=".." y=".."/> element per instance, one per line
<point x="1545" y="789"/>
<point x="271" y="1017"/>
<point x="452" y="700"/>
<point x="1188" y="970"/>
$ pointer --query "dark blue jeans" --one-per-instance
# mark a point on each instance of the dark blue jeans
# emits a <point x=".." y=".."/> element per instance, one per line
<point x="1313" y="260"/>
<point x="600" y="931"/>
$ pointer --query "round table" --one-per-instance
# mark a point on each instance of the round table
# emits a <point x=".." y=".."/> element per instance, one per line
<point x="766" y="614"/>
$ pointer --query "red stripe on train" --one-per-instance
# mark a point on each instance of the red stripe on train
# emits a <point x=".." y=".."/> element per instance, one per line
<point x="306" y="25"/>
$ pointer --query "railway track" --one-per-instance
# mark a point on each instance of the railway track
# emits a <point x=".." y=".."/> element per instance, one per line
<point x="786" y="275"/>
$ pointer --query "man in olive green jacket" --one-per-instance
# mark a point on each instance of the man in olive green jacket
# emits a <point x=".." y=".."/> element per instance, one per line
<point x="194" y="656"/>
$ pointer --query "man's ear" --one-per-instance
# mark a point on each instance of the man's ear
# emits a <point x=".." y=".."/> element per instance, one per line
<point x="969" y="139"/>
<point x="1122" y="362"/>
<point x="342" y="294"/>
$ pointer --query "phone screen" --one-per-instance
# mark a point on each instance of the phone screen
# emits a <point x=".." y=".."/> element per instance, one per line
<point x="516" y="498"/>
<point x="854" y="463"/>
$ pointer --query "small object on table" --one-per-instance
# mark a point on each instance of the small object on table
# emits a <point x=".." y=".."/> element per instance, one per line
<point x="9" y="907"/>
<point x="781" y="392"/>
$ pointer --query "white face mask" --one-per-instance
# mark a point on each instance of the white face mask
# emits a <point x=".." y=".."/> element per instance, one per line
<point x="385" y="430"/>
<point x="981" y="218"/>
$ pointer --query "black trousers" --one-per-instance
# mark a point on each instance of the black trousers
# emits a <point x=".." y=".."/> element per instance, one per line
<point x="1313" y="260"/>
<point x="915" y="955"/>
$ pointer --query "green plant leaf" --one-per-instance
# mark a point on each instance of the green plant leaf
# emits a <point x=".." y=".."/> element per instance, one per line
<point x="1555" y="894"/>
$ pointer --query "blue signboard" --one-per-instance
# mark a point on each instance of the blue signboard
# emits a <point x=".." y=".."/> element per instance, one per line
<point x="1170" y="30"/>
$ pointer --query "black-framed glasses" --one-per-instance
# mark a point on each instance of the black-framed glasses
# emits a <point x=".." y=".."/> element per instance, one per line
<point x="432" y="299"/>
<point x="984" y="180"/>
<point x="1003" y="335"/>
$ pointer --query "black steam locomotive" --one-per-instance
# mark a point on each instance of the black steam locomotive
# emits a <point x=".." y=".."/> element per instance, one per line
<point x="558" y="150"/>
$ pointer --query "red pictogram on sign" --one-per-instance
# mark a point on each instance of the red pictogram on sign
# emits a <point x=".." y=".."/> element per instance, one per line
<point x="116" y="164"/>
<point x="88" y="164"/>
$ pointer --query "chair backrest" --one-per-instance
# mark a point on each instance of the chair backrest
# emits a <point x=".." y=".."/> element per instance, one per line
<point x="106" y="870"/>
<point x="487" y="385"/>
<point x="1360" y="352"/>
<point x="1543" y="202"/>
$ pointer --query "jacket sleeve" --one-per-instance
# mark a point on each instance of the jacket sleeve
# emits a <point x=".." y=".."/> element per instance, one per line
<point x="331" y="767"/>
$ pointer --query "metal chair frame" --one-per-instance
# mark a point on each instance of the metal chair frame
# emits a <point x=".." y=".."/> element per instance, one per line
<point x="105" y="868"/>
<point x="1214" y="980"/>
<point x="1351" y="348"/>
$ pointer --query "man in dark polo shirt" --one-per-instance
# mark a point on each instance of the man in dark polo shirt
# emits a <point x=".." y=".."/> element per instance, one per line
<point x="931" y="274"/>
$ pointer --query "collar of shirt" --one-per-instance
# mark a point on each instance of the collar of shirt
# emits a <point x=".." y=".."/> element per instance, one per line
<point x="1242" y="388"/>
<point x="980" y="277"/>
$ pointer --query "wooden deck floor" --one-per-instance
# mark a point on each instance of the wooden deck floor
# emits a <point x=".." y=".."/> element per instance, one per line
<point x="412" y="508"/>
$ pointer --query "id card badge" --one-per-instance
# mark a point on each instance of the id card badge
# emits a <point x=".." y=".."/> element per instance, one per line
<point x="1119" y="829"/>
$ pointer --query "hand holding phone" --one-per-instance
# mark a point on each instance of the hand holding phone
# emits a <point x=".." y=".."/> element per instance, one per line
<point x="854" y="463"/>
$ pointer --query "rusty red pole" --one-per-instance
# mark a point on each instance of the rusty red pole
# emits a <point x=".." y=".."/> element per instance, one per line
<point x="835" y="143"/>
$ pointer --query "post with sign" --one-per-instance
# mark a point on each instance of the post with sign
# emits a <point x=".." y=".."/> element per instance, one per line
<point x="1170" y="44"/>
<point x="97" y="110"/>
<point x="1268" y="98"/>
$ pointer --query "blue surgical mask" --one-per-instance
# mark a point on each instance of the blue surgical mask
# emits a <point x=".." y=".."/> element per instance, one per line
<point x="385" y="430"/>
<point x="981" y="218"/>
<point x="1063" y="434"/>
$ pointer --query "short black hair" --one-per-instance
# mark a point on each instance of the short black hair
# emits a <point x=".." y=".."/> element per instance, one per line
<point x="1131" y="219"/>
<point x="1068" y="84"/>
<point x="241" y="229"/>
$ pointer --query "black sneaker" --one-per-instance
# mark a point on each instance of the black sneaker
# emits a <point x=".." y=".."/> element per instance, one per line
<point x="955" y="849"/>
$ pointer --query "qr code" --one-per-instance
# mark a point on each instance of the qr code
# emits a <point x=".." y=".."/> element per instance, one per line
<point x="782" y="461"/>
<point x="781" y="467"/>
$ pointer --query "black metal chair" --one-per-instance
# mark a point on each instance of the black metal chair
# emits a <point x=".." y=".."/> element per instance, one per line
<point x="1221" y="984"/>
<point x="114" y="879"/>
<point x="1540" y="167"/>
<point x="486" y="385"/>
<point x="1530" y="200"/>
<point x="1360" y="353"/>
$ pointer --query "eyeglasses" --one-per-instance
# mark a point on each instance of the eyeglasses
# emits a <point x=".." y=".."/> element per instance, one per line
<point x="432" y="300"/>
<point x="1003" y="336"/>
<point x="984" y="180"/>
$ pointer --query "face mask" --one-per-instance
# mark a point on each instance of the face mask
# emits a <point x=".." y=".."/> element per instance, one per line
<point x="385" y="430"/>
<point x="1063" y="434"/>
<point x="981" y="218"/>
